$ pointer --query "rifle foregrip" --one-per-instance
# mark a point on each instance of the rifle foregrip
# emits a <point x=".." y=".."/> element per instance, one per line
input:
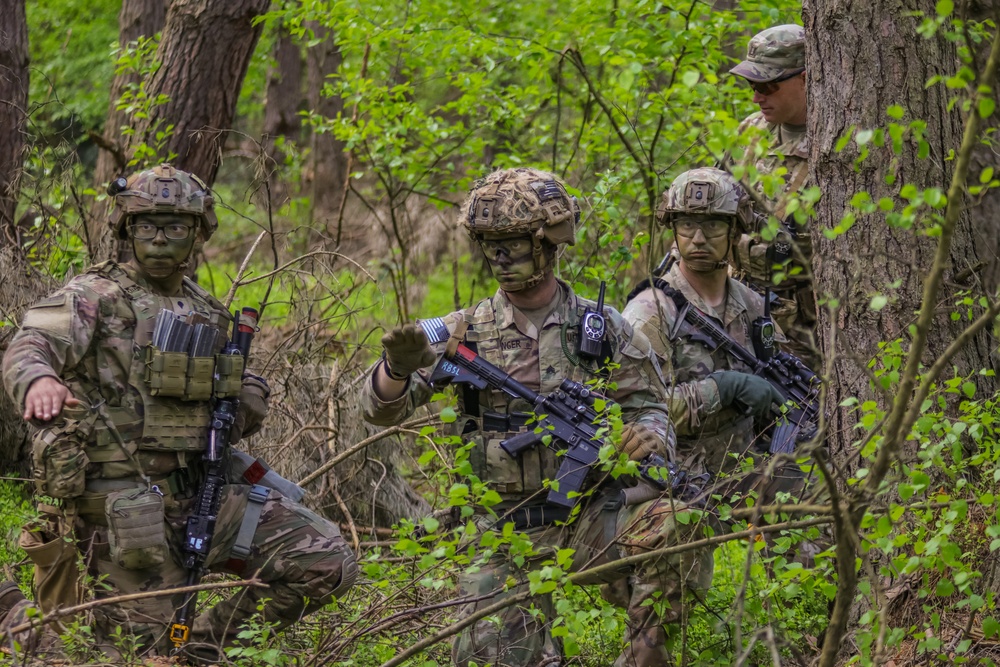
<point x="514" y="446"/>
<point x="571" y="476"/>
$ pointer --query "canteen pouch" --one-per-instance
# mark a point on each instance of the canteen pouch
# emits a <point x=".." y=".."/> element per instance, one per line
<point x="228" y="375"/>
<point x="59" y="461"/>
<point x="48" y="542"/>
<point x="137" y="533"/>
<point x="200" y="372"/>
<point x="166" y="372"/>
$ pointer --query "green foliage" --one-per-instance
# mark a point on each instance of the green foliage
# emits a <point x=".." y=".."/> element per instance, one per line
<point x="71" y="42"/>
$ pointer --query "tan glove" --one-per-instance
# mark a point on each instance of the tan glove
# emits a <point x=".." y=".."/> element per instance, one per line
<point x="638" y="442"/>
<point x="254" y="404"/>
<point x="406" y="351"/>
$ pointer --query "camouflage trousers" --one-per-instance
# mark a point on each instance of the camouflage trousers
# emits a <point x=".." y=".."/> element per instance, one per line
<point x="652" y="592"/>
<point x="300" y="556"/>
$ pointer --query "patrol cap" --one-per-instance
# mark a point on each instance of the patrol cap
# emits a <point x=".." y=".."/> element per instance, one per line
<point x="773" y="53"/>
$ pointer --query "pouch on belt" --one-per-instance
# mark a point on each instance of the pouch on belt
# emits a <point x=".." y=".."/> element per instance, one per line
<point x="137" y="533"/>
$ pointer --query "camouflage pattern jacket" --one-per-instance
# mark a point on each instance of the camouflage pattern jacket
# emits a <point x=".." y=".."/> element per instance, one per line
<point x="796" y="310"/>
<point x="91" y="335"/>
<point x="706" y="433"/>
<point x="537" y="358"/>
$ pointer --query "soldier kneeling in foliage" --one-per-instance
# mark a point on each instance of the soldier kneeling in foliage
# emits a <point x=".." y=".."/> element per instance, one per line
<point x="121" y="370"/>
<point x="528" y="329"/>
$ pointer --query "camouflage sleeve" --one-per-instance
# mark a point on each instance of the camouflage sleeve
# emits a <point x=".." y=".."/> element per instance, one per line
<point x="638" y="383"/>
<point x="55" y="335"/>
<point x="418" y="392"/>
<point x="687" y="402"/>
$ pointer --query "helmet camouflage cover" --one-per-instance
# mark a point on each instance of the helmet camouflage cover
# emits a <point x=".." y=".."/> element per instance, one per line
<point x="163" y="189"/>
<point x="705" y="191"/>
<point x="520" y="201"/>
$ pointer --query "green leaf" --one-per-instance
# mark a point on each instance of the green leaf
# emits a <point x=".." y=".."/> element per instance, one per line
<point x="969" y="389"/>
<point x="690" y="78"/>
<point x="448" y="414"/>
<point x="986" y="175"/>
<point x="431" y="524"/>
<point x="878" y="302"/>
<point x="944" y="7"/>
<point x="986" y="107"/>
<point x="990" y="627"/>
<point x="864" y="137"/>
<point x="895" y="111"/>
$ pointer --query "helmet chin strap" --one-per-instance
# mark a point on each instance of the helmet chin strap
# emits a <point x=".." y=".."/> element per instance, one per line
<point x="541" y="268"/>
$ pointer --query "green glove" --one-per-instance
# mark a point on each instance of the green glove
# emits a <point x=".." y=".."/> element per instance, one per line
<point x="406" y="351"/>
<point x="746" y="392"/>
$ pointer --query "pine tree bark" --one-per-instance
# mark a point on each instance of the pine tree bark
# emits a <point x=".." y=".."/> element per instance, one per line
<point x="13" y="112"/>
<point x="858" y="68"/>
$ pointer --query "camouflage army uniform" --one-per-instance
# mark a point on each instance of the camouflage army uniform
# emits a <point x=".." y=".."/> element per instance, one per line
<point x="505" y="337"/>
<point x="710" y="438"/>
<point x="91" y="334"/>
<point x="772" y="145"/>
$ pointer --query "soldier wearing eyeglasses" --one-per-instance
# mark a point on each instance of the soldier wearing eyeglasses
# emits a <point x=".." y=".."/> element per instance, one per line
<point x="775" y="164"/>
<point x="116" y="429"/>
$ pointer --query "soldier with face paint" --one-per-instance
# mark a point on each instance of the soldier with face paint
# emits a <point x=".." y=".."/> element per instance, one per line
<point x="123" y="429"/>
<point x="520" y="218"/>
<point x="713" y="399"/>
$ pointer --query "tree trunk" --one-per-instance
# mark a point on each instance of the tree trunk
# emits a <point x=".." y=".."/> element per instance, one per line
<point x="203" y="54"/>
<point x="18" y="287"/>
<point x="13" y="112"/>
<point x="138" y="18"/>
<point x="281" y="111"/>
<point x="844" y="58"/>
<point x="328" y="162"/>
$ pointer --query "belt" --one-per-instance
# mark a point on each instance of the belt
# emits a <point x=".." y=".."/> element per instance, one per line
<point x="501" y="422"/>
<point x="534" y="517"/>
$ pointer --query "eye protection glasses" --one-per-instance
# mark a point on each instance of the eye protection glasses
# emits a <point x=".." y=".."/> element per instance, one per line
<point x="147" y="231"/>
<point x="771" y="87"/>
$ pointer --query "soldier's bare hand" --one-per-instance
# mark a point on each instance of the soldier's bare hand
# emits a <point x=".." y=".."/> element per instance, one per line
<point x="406" y="351"/>
<point x="638" y="442"/>
<point x="45" y="399"/>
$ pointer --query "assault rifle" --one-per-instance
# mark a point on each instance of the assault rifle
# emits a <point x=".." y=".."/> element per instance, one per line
<point x="567" y="415"/>
<point x="201" y="524"/>
<point x="798" y="385"/>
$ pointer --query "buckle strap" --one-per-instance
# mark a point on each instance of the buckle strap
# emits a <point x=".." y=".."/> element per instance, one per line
<point x="609" y="514"/>
<point x="248" y="528"/>
<point x="535" y="517"/>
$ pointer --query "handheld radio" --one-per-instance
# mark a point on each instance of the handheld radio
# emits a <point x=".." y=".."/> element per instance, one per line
<point x="762" y="335"/>
<point x="593" y="329"/>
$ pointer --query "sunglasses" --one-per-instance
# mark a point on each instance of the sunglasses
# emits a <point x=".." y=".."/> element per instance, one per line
<point x="771" y="87"/>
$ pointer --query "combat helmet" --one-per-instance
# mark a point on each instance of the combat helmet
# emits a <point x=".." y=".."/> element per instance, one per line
<point x="522" y="201"/>
<point x="706" y="191"/>
<point x="162" y="189"/>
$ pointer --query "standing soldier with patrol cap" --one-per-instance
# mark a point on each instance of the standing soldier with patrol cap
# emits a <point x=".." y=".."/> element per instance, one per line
<point x="775" y="69"/>
<point x="530" y="329"/>
<point x="120" y="370"/>
<point x="716" y="402"/>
